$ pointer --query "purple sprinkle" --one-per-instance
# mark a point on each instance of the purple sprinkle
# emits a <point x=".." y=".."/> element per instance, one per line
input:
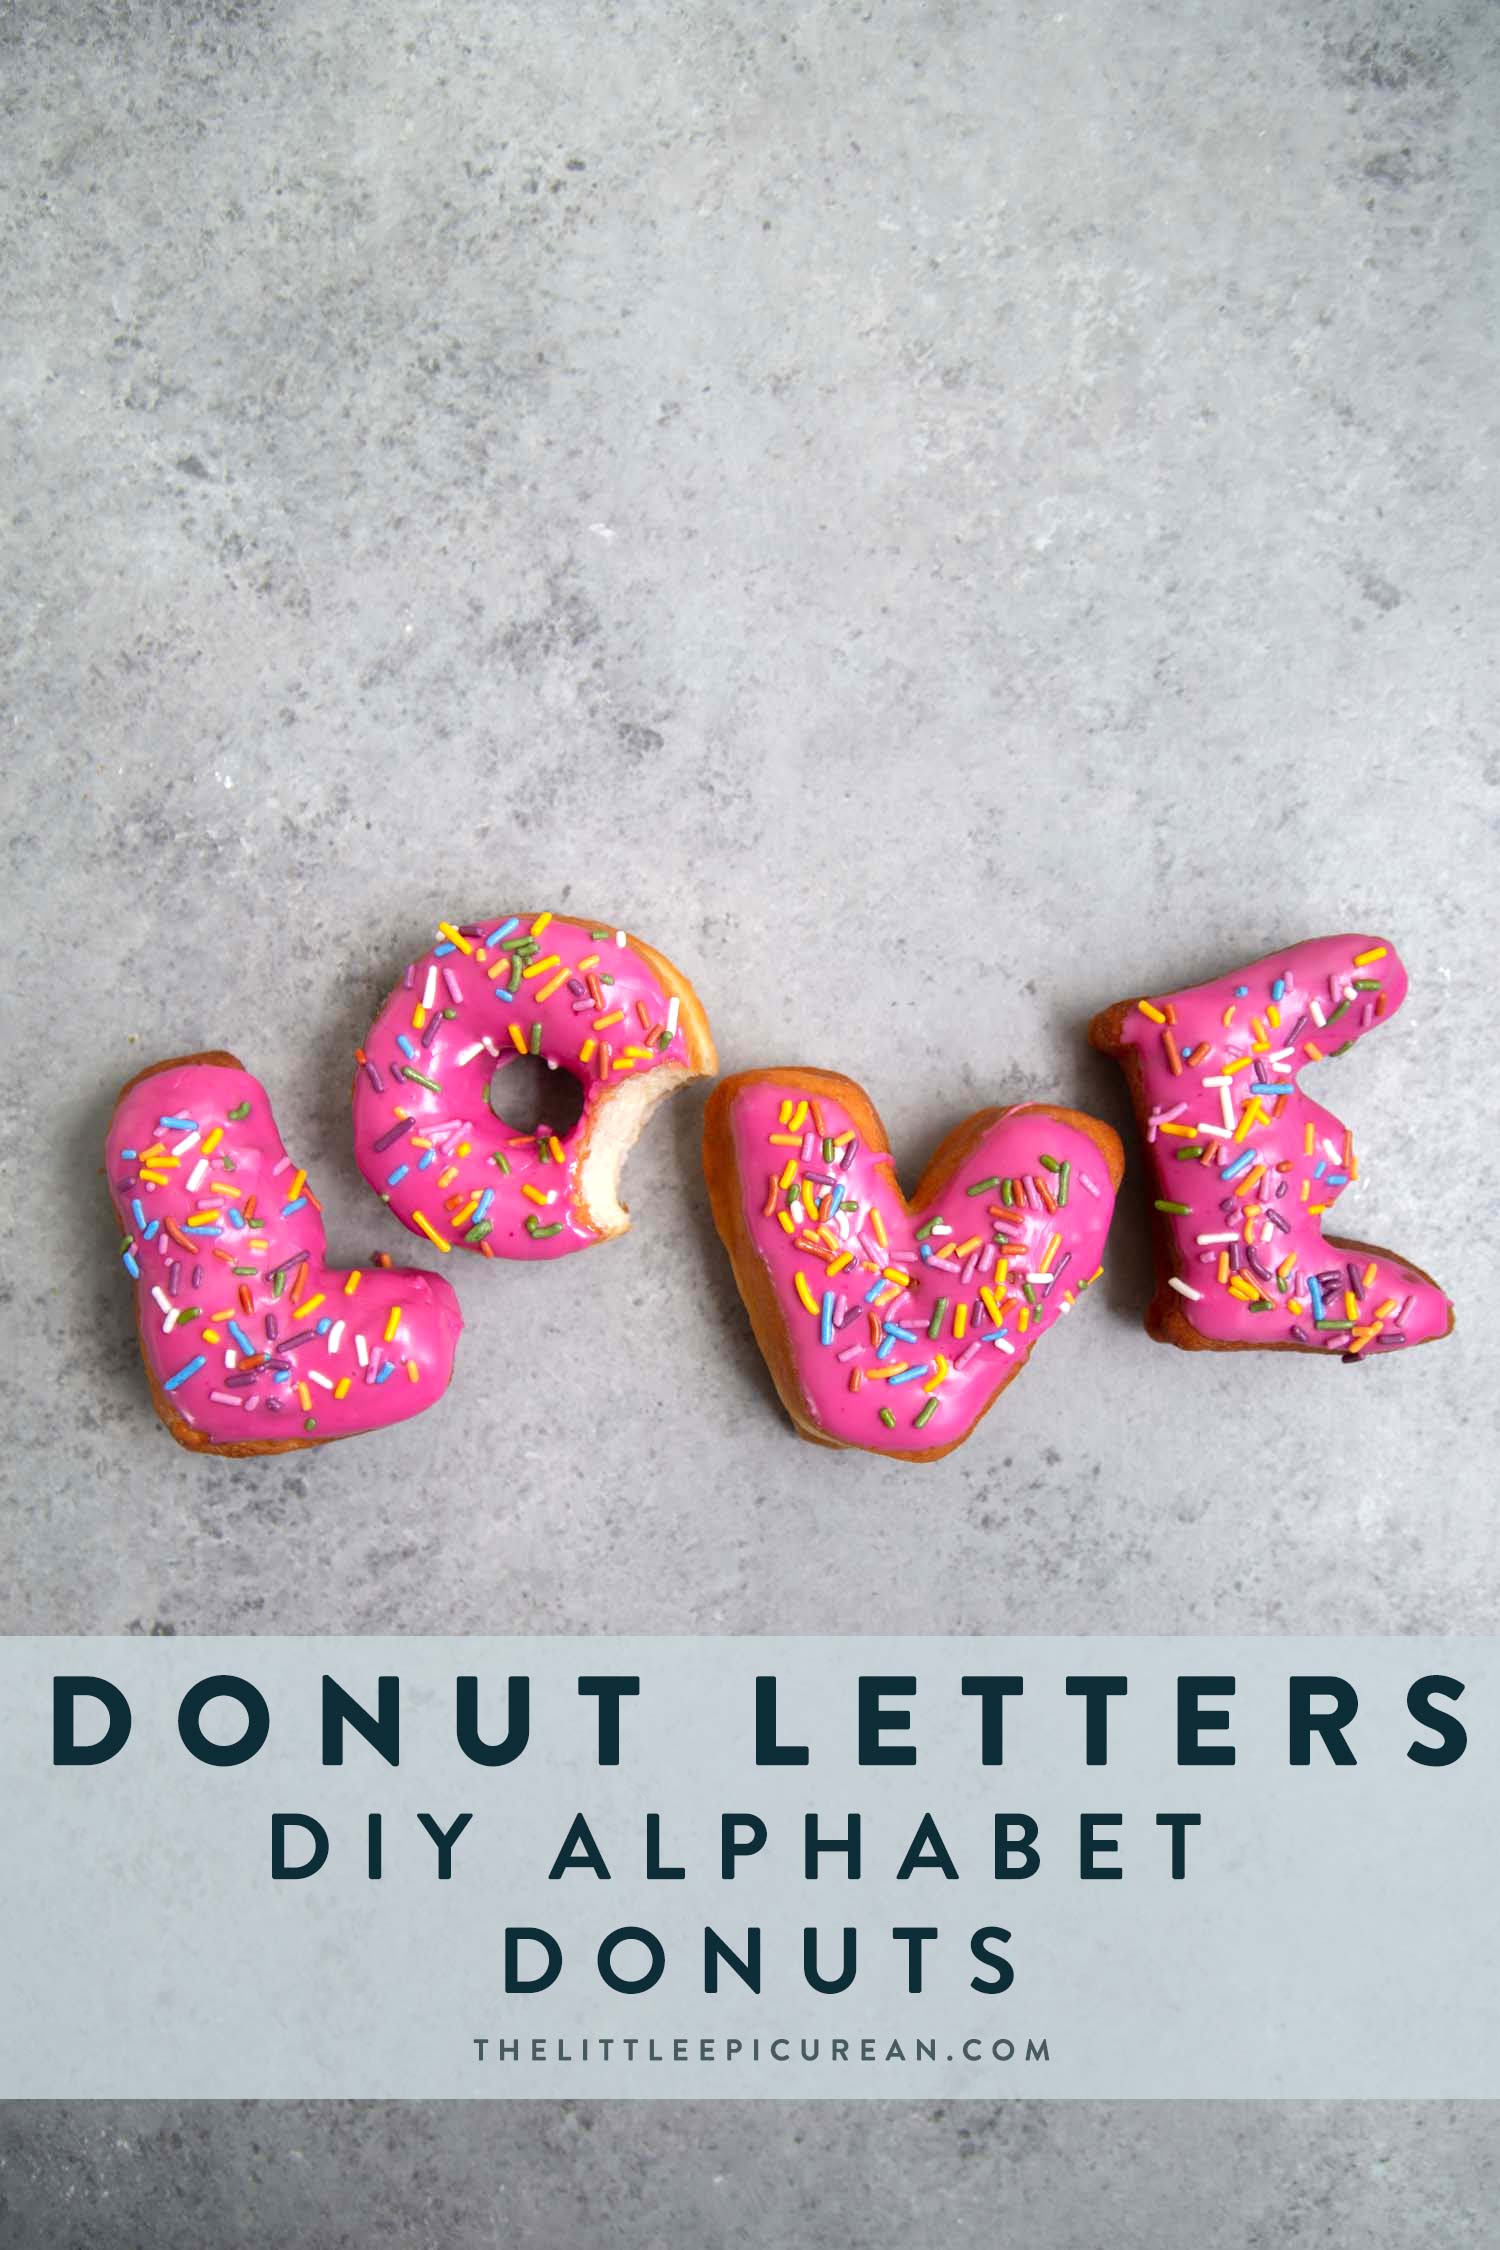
<point x="273" y="1327"/>
<point x="303" y="1336"/>
<point x="1299" y="1332"/>
<point x="408" y="977"/>
<point x="174" y="1277"/>
<point x="1356" y="1285"/>
<point x="388" y="1140"/>
<point x="374" y="1077"/>
<point x="288" y="1265"/>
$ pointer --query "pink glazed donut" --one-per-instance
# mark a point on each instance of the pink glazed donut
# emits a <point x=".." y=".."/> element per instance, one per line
<point x="584" y="997"/>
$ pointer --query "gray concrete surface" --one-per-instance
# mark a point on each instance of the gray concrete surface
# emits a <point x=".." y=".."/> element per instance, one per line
<point x="936" y="515"/>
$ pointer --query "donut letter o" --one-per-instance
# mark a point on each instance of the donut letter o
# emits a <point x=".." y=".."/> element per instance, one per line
<point x="430" y="1130"/>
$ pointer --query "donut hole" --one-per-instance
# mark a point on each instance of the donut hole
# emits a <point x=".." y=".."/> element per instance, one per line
<point x="530" y="1097"/>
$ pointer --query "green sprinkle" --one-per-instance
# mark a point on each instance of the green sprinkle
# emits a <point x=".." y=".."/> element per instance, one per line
<point x="1007" y="1191"/>
<point x="1064" y="1175"/>
<point x="887" y="1417"/>
<point x="1341" y="1009"/>
<point x="278" y="1283"/>
<point x="827" y="1148"/>
<point x="1029" y="1294"/>
<point x="926" y="1415"/>
<point x="503" y="1162"/>
<point x="1180" y="1210"/>
<point x="240" y="1111"/>
<point x="1053" y="1163"/>
<point x="246" y="1273"/>
<point x="935" y="1325"/>
<point x="1333" y="1324"/>
<point x="596" y="935"/>
<point x="1182" y="1154"/>
<point x="984" y="1187"/>
<point x="430" y="1083"/>
<point x="478" y="1233"/>
<point x="540" y="1233"/>
<point x="925" y="1230"/>
<point x="311" y="1423"/>
<point x="536" y="1037"/>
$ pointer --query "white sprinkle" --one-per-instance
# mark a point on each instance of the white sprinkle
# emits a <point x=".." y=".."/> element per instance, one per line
<point x="673" y="1007"/>
<point x="468" y="1053"/>
<point x="197" y="1175"/>
<point x="362" y="1349"/>
<point x="162" y="1299"/>
<point x="189" y="1140"/>
<point x="335" y="1337"/>
<point x="1182" y="1288"/>
<point x="314" y="1377"/>
<point x="1233" y="1236"/>
<point x="429" y="987"/>
<point x="619" y="937"/>
<point x="1314" y="1009"/>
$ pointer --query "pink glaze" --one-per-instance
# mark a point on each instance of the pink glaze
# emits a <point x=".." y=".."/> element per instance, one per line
<point x="1033" y="1261"/>
<point x="579" y="996"/>
<point x="1258" y="1171"/>
<point x="249" y="1281"/>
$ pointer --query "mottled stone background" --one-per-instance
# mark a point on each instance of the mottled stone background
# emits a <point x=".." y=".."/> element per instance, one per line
<point x="938" y="515"/>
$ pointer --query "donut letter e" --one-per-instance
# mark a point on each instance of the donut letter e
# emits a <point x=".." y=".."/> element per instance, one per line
<point x="1245" y="1166"/>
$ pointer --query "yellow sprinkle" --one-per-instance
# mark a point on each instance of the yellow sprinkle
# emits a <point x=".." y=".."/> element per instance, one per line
<point x="1370" y="1272"/>
<point x="804" y="1292"/>
<point x="589" y="961"/>
<point x="877" y="1227"/>
<point x="586" y="1051"/>
<point x="623" y="1062"/>
<point x="1228" y="1016"/>
<point x="785" y="1140"/>
<point x="617" y="1015"/>
<point x="1294" y="1307"/>
<point x="991" y="1304"/>
<point x="540" y="968"/>
<point x="1242" y="1062"/>
<point x="789" y="1174"/>
<point x="787" y="1221"/>
<point x="1351" y="1305"/>
<point x="1250" y="1117"/>
<point x="798" y="1117"/>
<point x="430" y="1231"/>
<point x="1023" y="1319"/>
<point x="556" y="1147"/>
<point x="837" y="1265"/>
<point x="446" y="929"/>
<point x="1154" y="1013"/>
<point x="517" y="1038"/>
<point x="960" y="1322"/>
<point x="540" y="924"/>
<point x="1273" y="1015"/>
<point x="894" y="1273"/>
<point x="962" y="1249"/>
<point x="308" y="1305"/>
<point x="556" y="983"/>
<point x="212" y="1140"/>
<point x="341" y="1387"/>
<point x="1052" y="1249"/>
<point x="1376" y="953"/>
<point x="937" y="1375"/>
<point x="304" y="1398"/>
<point x="413" y="1371"/>
<point x="210" y="1335"/>
<point x="418" y="1016"/>
<point x="536" y="1194"/>
<point x="1223" y="1269"/>
<point x="1307" y="1139"/>
<point x="392" y="1324"/>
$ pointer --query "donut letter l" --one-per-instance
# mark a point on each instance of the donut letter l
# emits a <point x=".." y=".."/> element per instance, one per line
<point x="1245" y="1166"/>
<point x="584" y="998"/>
<point x="252" y="1342"/>
<point x="889" y="1326"/>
